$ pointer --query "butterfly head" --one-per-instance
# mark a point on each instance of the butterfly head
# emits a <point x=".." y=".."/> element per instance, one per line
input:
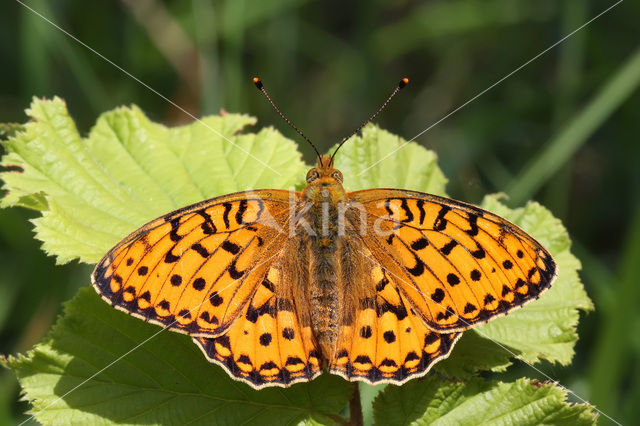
<point x="324" y="174"/>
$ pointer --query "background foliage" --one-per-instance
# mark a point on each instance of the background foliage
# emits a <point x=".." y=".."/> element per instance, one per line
<point x="564" y="130"/>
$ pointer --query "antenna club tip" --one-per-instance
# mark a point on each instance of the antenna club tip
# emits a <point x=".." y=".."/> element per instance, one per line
<point x="257" y="82"/>
<point x="403" y="82"/>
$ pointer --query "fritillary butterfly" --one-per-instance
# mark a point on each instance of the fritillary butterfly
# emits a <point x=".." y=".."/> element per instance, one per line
<point x="276" y="286"/>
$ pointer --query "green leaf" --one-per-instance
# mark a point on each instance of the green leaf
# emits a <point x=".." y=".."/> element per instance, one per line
<point x="411" y="167"/>
<point x="94" y="191"/>
<point x="166" y="380"/>
<point x="436" y="402"/>
<point x="474" y="352"/>
<point x="7" y="130"/>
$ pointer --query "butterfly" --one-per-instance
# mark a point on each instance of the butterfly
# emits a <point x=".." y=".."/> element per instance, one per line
<point x="277" y="286"/>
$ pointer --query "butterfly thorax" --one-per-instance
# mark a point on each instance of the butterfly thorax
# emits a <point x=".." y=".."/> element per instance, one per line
<point x="325" y="232"/>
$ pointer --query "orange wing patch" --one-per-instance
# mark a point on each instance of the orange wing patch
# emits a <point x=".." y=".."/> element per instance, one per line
<point x="195" y="269"/>
<point x="266" y="346"/>
<point x="388" y="342"/>
<point x="457" y="265"/>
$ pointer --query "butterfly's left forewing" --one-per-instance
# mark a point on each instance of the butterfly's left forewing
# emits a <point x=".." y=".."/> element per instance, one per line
<point x="456" y="264"/>
<point x="195" y="269"/>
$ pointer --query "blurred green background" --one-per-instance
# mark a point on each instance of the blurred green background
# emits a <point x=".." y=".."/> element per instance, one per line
<point x="564" y="130"/>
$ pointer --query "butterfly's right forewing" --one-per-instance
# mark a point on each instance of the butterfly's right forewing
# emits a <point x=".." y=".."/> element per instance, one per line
<point x="195" y="269"/>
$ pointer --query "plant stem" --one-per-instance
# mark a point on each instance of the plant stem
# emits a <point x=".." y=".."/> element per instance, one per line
<point x="355" y="407"/>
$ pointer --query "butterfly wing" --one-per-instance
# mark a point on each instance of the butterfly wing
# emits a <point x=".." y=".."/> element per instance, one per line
<point x="267" y="345"/>
<point x="387" y="341"/>
<point x="456" y="264"/>
<point x="194" y="269"/>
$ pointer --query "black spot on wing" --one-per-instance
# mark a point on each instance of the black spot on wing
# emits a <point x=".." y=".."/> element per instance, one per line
<point x="199" y="284"/>
<point x="208" y="227"/>
<point x="175" y="224"/>
<point x="453" y="279"/>
<point x="284" y="305"/>
<point x="225" y="215"/>
<point x="479" y="253"/>
<point x="171" y="258"/>
<point x="418" y="269"/>
<point x="230" y="247"/>
<point x="431" y="338"/>
<point x="387" y="362"/>
<point x="265" y="339"/>
<point x="210" y="319"/>
<point x="473" y="223"/>
<point x="381" y="284"/>
<point x="420" y="244"/>
<point x="446" y="314"/>
<point x="399" y="310"/>
<point x="198" y="248"/>
<point x="389" y="336"/>
<point x="441" y="223"/>
<point x="387" y="206"/>
<point x="268" y="285"/>
<point x="242" y="208"/>
<point x="288" y="333"/>
<point x="215" y="299"/>
<point x="407" y="210"/>
<point x="366" y="332"/>
<point x="233" y="271"/>
<point x="420" y="205"/>
<point x="446" y="249"/>
<point x="438" y="295"/>
<point x="253" y="313"/>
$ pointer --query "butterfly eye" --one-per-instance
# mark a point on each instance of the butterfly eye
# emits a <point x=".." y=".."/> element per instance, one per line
<point x="312" y="175"/>
<point x="337" y="176"/>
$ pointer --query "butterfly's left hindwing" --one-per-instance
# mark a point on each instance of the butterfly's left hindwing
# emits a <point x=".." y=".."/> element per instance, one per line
<point x="456" y="264"/>
<point x="267" y="345"/>
<point x="195" y="269"/>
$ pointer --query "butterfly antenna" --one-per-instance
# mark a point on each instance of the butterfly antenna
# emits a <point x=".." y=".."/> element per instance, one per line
<point x="261" y="88"/>
<point x="401" y="84"/>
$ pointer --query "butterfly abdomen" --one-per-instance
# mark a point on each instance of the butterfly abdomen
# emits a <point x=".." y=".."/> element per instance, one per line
<point x="324" y="291"/>
<point x="335" y="276"/>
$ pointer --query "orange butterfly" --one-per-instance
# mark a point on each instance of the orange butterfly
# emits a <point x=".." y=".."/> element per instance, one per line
<point x="373" y="285"/>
